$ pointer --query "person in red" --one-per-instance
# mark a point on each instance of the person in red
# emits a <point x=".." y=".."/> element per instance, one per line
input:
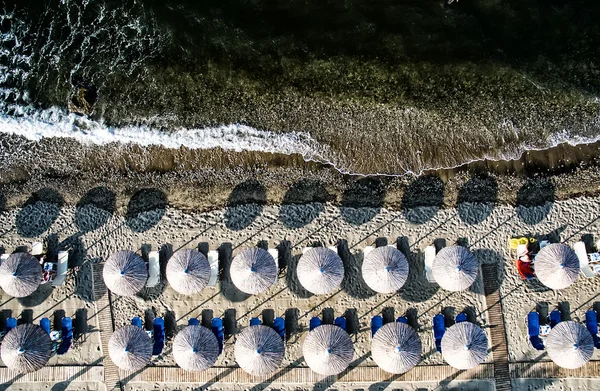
<point x="525" y="266"/>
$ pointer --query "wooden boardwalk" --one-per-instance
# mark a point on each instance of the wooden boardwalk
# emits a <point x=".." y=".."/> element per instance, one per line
<point x="54" y="374"/>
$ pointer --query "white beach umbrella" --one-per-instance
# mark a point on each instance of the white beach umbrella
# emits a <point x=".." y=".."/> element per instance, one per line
<point x="455" y="268"/>
<point x="26" y="348"/>
<point x="125" y="273"/>
<point x="385" y="269"/>
<point x="195" y="348"/>
<point x="556" y="266"/>
<point x="396" y="347"/>
<point x="259" y="350"/>
<point x="328" y="350"/>
<point x="253" y="270"/>
<point x="130" y="348"/>
<point x="20" y="274"/>
<point x="320" y="270"/>
<point x="570" y="345"/>
<point x="188" y="271"/>
<point x="464" y="345"/>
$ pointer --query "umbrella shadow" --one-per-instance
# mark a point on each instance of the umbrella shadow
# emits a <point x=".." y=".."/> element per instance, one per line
<point x="477" y="198"/>
<point x="422" y="199"/>
<point x="353" y="283"/>
<point x="245" y="203"/>
<point x="535" y="199"/>
<point x="303" y="202"/>
<point x="416" y="288"/>
<point x="145" y="209"/>
<point x="94" y="209"/>
<point x="39" y="212"/>
<point x="2" y="202"/>
<point x="362" y="200"/>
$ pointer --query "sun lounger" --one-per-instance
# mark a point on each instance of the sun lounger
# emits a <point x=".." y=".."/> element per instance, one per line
<point x="333" y="248"/>
<point x="584" y="262"/>
<point x="62" y="265"/>
<point x="533" y="329"/>
<point x="429" y="253"/>
<point x="402" y="319"/>
<point x="11" y="323"/>
<point x="591" y="323"/>
<point x="153" y="269"/>
<point x="137" y="321"/>
<point x="37" y="249"/>
<point x="341" y="322"/>
<point x="254" y="322"/>
<point x="45" y="325"/>
<point x="376" y="324"/>
<point x="193" y="322"/>
<point x="275" y="254"/>
<point x="462" y="317"/>
<point x="439" y="328"/>
<point x="279" y="326"/>
<point x="4" y="257"/>
<point x="159" y="336"/>
<point x="218" y="331"/>
<point x="314" y="323"/>
<point x="554" y="318"/>
<point x="367" y="250"/>
<point x="66" y="328"/>
<point x="213" y="261"/>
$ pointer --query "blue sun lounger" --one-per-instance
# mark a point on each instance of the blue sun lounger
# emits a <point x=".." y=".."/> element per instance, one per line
<point x="279" y="326"/>
<point x="254" y="322"/>
<point x="45" y="325"/>
<point x="341" y="322"/>
<point x="462" y="317"/>
<point x="314" y="323"/>
<point x="159" y="336"/>
<point x="136" y="321"/>
<point x="218" y="331"/>
<point x="554" y="318"/>
<point x="533" y="329"/>
<point x="439" y="328"/>
<point x="376" y="324"/>
<point x="66" y="327"/>
<point x="402" y="319"/>
<point x="193" y="322"/>
<point x="591" y="323"/>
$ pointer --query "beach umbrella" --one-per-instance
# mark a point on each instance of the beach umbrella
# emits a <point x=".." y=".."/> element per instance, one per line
<point x="455" y="268"/>
<point x="396" y="347"/>
<point x="253" y="270"/>
<point x="188" y="271"/>
<point x="259" y="350"/>
<point x="320" y="270"/>
<point x="26" y="348"/>
<point x="464" y="345"/>
<point x="20" y="274"/>
<point x="570" y="345"/>
<point x="556" y="266"/>
<point x="125" y="273"/>
<point x="328" y="350"/>
<point x="385" y="269"/>
<point x="195" y="348"/>
<point x="130" y="348"/>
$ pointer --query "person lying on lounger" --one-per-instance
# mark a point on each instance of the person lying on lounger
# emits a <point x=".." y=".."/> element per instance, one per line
<point x="525" y="266"/>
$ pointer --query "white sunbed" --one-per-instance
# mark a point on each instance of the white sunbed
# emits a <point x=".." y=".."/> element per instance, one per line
<point x="37" y="248"/>
<point x="429" y="253"/>
<point x="153" y="269"/>
<point x="333" y="248"/>
<point x="62" y="266"/>
<point x="584" y="264"/>
<point x="213" y="261"/>
<point x="4" y="257"/>
<point x="275" y="254"/>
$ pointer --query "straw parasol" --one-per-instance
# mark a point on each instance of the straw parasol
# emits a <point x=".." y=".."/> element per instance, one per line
<point x="125" y="273"/>
<point x="26" y="348"/>
<point x="188" y="271"/>
<point x="455" y="268"/>
<point x="396" y="348"/>
<point x="253" y="270"/>
<point x="320" y="270"/>
<point x="464" y="345"/>
<point x="385" y="269"/>
<point x="20" y="274"/>
<point x="556" y="266"/>
<point x="195" y="348"/>
<point x="328" y="350"/>
<point x="259" y="350"/>
<point x="570" y="345"/>
<point x="130" y="348"/>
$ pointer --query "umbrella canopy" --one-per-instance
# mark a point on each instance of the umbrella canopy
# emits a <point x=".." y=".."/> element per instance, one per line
<point x="26" y="348"/>
<point x="556" y="266"/>
<point x="130" y="348"/>
<point x="195" y="348"/>
<point x="259" y="350"/>
<point x="570" y="345"/>
<point x="20" y="274"/>
<point x="455" y="268"/>
<point x="385" y="269"/>
<point x="396" y="347"/>
<point x="125" y="273"/>
<point x="320" y="270"/>
<point x="328" y="350"/>
<point x="253" y="270"/>
<point x="188" y="271"/>
<point x="464" y="345"/>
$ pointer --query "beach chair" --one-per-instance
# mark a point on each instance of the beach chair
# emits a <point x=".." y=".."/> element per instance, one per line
<point x="137" y="321"/>
<point x="314" y="323"/>
<point x="153" y="269"/>
<point x="429" y="253"/>
<point x="45" y="325"/>
<point x="37" y="249"/>
<point x="462" y="317"/>
<point x="159" y="336"/>
<point x="218" y="331"/>
<point x="584" y="261"/>
<point x="591" y="323"/>
<point x="402" y="319"/>
<point x="254" y="322"/>
<point x="376" y="324"/>
<point x="367" y="250"/>
<point x="66" y="328"/>
<point x="213" y="261"/>
<point x="333" y="248"/>
<point x="554" y="318"/>
<point x="340" y="322"/>
<point x="533" y="329"/>
<point x="439" y="328"/>
<point x="11" y="323"/>
<point x="62" y="265"/>
<point x="193" y="322"/>
<point x="3" y="257"/>
<point x="275" y="254"/>
<point x="279" y="326"/>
